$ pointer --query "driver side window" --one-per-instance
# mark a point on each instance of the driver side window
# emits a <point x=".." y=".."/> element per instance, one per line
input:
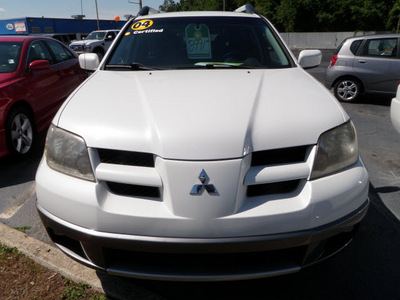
<point x="39" y="51"/>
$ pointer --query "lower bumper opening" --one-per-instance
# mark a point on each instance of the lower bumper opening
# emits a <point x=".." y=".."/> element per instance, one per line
<point x="182" y="266"/>
<point x="212" y="261"/>
<point x="213" y="266"/>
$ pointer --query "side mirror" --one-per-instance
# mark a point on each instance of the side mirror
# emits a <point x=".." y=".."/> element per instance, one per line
<point x="39" y="65"/>
<point x="89" y="61"/>
<point x="310" y="58"/>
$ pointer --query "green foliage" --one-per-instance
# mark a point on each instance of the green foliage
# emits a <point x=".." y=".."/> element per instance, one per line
<point x="309" y="15"/>
<point x="95" y="297"/>
<point x="393" y="20"/>
<point x="7" y="250"/>
<point x="7" y="253"/>
<point x="169" y="6"/>
<point x="23" y="228"/>
<point x="73" y="292"/>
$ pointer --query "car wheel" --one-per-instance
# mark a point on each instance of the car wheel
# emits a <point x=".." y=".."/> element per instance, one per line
<point x="347" y="90"/>
<point x="20" y="133"/>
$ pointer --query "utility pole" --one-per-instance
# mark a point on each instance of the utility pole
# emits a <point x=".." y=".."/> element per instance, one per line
<point x="140" y="3"/>
<point x="97" y="13"/>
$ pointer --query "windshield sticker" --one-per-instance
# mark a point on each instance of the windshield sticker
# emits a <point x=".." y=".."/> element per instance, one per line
<point x="198" y="42"/>
<point x="149" y="31"/>
<point x="142" y="24"/>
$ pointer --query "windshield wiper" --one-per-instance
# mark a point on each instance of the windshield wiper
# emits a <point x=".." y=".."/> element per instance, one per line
<point x="131" y="67"/>
<point x="214" y="65"/>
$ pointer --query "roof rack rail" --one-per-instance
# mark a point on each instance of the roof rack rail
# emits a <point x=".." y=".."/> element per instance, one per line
<point x="247" y="8"/>
<point x="146" y="11"/>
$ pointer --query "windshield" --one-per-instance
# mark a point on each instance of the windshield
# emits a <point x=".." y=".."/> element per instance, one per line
<point x="10" y="53"/>
<point x="96" y="36"/>
<point x="198" y="42"/>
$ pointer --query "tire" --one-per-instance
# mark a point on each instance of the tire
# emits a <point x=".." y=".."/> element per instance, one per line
<point x="20" y="132"/>
<point x="347" y="90"/>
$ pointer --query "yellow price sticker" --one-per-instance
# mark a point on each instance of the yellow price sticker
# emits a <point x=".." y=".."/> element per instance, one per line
<point x="142" y="24"/>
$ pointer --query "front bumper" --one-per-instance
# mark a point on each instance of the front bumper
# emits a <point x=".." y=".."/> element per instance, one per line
<point x="266" y="218"/>
<point x="202" y="259"/>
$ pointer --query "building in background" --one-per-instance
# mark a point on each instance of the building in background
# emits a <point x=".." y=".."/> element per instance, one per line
<point x="64" y="30"/>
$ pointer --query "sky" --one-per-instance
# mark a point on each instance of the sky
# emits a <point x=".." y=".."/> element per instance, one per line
<point x="108" y="9"/>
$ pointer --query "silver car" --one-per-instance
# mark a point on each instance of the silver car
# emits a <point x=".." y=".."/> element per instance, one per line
<point x="364" y="64"/>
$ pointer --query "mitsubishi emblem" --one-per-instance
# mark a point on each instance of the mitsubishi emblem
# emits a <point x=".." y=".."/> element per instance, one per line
<point x="198" y="189"/>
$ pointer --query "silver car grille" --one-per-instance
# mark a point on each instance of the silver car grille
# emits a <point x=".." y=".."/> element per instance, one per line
<point x="77" y="48"/>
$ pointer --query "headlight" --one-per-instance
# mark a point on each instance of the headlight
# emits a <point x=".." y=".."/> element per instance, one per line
<point x="87" y="48"/>
<point x="67" y="153"/>
<point x="337" y="149"/>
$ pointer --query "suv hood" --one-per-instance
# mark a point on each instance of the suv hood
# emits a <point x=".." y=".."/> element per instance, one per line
<point x="200" y="114"/>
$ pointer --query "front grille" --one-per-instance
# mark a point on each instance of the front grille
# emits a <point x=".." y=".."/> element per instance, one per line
<point x="279" y="156"/>
<point x="282" y="163"/>
<point x="272" y="188"/>
<point x="124" y="163"/>
<point x="133" y="190"/>
<point x="138" y="159"/>
<point x="77" y="48"/>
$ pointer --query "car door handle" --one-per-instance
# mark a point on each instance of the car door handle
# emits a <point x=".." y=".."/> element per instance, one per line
<point x="362" y="61"/>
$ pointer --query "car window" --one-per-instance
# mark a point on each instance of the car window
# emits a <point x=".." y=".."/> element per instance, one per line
<point x="381" y="47"/>
<point x="110" y="35"/>
<point x="39" y="51"/>
<point x="176" y="43"/>
<point x="60" y="53"/>
<point x="10" y="53"/>
<point x="355" y="46"/>
<point x="96" y="35"/>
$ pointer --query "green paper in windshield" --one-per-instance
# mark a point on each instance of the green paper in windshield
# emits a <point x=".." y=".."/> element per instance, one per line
<point x="198" y="42"/>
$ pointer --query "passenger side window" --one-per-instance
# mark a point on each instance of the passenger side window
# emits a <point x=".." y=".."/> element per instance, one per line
<point x="60" y="53"/>
<point x="39" y="51"/>
<point x="381" y="48"/>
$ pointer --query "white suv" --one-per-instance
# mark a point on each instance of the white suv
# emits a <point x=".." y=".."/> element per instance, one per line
<point x="201" y="150"/>
<point x="96" y="42"/>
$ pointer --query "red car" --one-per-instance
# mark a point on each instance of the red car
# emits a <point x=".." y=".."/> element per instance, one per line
<point x="36" y="75"/>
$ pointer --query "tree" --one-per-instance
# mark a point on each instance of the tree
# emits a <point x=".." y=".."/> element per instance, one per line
<point x="393" y="19"/>
<point x="309" y="15"/>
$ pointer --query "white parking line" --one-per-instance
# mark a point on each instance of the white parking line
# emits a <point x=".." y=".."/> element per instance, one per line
<point x="19" y="202"/>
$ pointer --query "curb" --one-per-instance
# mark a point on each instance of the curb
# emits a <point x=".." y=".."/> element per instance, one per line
<point x="49" y="257"/>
